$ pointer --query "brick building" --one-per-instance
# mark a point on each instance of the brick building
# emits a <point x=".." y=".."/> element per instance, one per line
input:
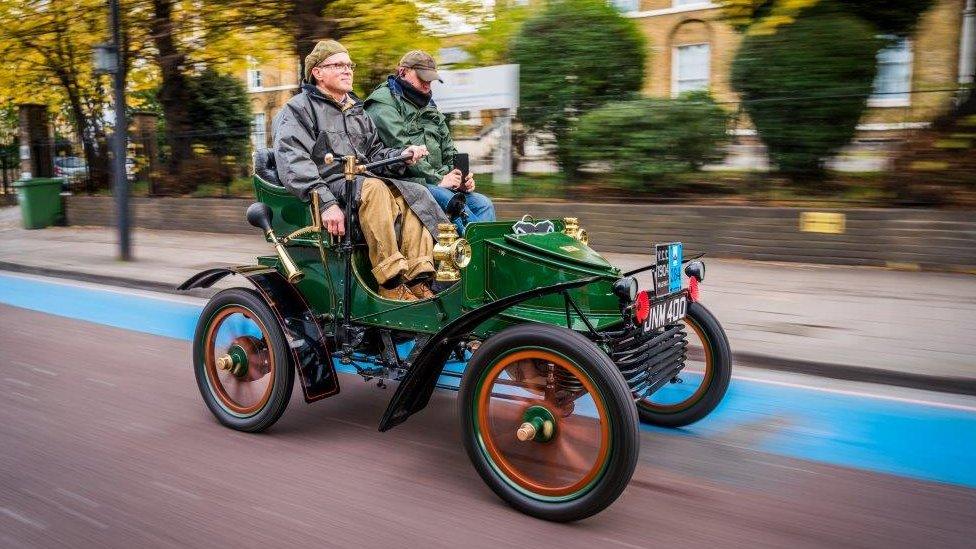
<point x="691" y="47"/>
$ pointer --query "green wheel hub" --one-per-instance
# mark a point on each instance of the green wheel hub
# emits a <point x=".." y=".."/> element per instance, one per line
<point x="538" y="424"/>
<point x="235" y="361"/>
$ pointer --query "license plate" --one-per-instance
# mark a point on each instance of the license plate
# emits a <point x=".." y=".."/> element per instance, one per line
<point x="667" y="268"/>
<point x="665" y="311"/>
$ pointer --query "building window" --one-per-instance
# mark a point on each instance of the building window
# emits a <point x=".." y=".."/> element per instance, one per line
<point x="690" y="69"/>
<point x="253" y="79"/>
<point x="893" y="82"/>
<point x="625" y="6"/>
<point x="259" y="134"/>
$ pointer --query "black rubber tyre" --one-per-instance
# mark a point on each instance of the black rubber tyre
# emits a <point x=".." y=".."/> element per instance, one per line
<point x="717" y="380"/>
<point x="268" y="409"/>
<point x="616" y="419"/>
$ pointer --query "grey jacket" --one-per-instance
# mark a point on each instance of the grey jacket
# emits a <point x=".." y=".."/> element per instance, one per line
<point x="311" y="125"/>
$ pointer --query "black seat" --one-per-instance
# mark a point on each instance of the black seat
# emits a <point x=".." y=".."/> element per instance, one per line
<point x="264" y="167"/>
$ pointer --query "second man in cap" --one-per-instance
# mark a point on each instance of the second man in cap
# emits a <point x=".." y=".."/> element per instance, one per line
<point x="405" y="114"/>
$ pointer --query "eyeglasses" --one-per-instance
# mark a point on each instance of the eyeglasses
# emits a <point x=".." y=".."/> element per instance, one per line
<point x="338" y="66"/>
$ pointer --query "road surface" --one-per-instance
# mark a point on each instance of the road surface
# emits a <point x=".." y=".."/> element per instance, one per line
<point x="106" y="443"/>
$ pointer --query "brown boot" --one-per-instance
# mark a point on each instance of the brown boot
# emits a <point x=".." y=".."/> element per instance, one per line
<point x="399" y="293"/>
<point x="421" y="290"/>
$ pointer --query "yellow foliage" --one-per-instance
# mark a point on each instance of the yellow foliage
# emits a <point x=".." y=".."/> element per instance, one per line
<point x="776" y="13"/>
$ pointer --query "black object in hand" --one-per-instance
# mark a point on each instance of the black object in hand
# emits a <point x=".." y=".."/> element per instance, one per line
<point x="461" y="162"/>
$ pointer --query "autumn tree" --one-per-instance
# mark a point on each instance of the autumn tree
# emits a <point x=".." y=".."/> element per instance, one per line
<point x="46" y="57"/>
<point x="492" y="44"/>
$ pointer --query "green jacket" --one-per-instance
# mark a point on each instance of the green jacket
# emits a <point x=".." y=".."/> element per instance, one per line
<point x="400" y="123"/>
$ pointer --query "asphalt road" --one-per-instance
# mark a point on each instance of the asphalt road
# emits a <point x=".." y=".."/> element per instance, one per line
<point x="105" y="442"/>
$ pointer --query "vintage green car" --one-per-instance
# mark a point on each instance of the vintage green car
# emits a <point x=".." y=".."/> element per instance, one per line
<point x="564" y="356"/>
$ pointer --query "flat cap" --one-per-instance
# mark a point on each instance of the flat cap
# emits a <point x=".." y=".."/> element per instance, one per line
<point x="322" y="51"/>
<point x="423" y="63"/>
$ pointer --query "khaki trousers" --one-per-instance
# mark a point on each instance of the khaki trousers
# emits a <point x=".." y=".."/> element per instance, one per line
<point x="380" y="207"/>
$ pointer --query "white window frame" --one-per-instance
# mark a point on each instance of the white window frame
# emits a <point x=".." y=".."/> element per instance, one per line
<point x="254" y="79"/>
<point x="883" y="101"/>
<point x="674" y="66"/>
<point x="259" y="130"/>
<point x="683" y="3"/>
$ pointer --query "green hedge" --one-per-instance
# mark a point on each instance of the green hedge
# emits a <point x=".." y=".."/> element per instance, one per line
<point x="643" y="140"/>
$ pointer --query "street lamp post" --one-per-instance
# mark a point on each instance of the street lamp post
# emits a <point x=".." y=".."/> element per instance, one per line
<point x="108" y="60"/>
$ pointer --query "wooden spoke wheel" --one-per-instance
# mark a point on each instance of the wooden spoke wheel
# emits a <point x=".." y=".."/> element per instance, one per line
<point x="559" y="451"/>
<point x="242" y="364"/>
<point x="548" y="422"/>
<point x="703" y="381"/>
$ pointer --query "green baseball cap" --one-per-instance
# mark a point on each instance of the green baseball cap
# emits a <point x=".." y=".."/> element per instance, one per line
<point x="322" y="51"/>
<point x="423" y="63"/>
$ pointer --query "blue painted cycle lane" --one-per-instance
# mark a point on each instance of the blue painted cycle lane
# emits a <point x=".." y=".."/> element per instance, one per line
<point x="908" y="438"/>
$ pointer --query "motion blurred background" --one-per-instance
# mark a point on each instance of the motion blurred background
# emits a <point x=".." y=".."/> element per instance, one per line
<point x="820" y="152"/>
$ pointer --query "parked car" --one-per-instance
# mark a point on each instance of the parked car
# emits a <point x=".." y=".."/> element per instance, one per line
<point x="70" y="169"/>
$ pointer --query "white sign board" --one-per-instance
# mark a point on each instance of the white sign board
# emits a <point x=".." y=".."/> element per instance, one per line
<point x="483" y="88"/>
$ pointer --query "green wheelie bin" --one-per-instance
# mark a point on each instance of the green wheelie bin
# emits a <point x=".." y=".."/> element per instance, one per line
<point x="40" y="201"/>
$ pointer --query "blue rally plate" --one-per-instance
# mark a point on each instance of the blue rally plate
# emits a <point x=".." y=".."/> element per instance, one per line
<point x="667" y="268"/>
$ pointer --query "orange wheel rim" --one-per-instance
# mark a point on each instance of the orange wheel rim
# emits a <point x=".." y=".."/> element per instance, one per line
<point x="708" y="361"/>
<point x="237" y="330"/>
<point x="579" y="449"/>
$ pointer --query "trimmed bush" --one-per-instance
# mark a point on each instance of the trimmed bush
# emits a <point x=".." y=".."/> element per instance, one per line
<point x="806" y="86"/>
<point x="643" y="140"/>
<point x="573" y="57"/>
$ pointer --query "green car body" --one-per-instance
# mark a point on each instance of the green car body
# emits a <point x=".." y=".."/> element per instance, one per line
<point x="502" y="264"/>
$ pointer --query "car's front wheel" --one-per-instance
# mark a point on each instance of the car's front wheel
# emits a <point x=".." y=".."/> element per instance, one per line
<point x="241" y="361"/>
<point x="548" y="422"/>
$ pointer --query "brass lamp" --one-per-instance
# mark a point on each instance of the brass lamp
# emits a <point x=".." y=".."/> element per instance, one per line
<point x="450" y="253"/>
<point x="574" y="230"/>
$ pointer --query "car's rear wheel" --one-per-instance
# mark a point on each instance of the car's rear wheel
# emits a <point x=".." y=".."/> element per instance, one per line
<point x="548" y="422"/>
<point x="701" y="384"/>
<point x="241" y="361"/>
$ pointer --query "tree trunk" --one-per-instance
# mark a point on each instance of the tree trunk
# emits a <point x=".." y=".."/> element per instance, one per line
<point x="95" y="156"/>
<point x="173" y="93"/>
<point x="309" y="25"/>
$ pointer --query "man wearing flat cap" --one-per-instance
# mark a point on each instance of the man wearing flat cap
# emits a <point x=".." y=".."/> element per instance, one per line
<point x="398" y="218"/>
<point x="405" y="114"/>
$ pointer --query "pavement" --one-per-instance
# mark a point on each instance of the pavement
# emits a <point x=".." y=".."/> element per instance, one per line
<point x="865" y="324"/>
<point x="106" y="443"/>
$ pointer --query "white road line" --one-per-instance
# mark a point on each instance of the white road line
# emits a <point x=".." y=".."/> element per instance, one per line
<point x="22" y="395"/>
<point x="43" y="371"/>
<point x="623" y="543"/>
<point x="285" y="517"/>
<point x="78" y="497"/>
<point x="18" y="517"/>
<point x="103" y="382"/>
<point x="68" y="510"/>
<point x="850" y="392"/>
<point x="176" y="490"/>
<point x="18" y="382"/>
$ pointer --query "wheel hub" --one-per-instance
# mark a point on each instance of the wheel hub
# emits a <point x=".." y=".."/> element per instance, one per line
<point x="538" y="425"/>
<point x="235" y="361"/>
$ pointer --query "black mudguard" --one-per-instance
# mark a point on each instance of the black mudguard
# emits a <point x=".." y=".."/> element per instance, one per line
<point x="418" y="385"/>
<point x="309" y="346"/>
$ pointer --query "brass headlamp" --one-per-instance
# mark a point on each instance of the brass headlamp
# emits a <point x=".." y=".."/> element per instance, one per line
<point x="574" y="230"/>
<point x="451" y="253"/>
